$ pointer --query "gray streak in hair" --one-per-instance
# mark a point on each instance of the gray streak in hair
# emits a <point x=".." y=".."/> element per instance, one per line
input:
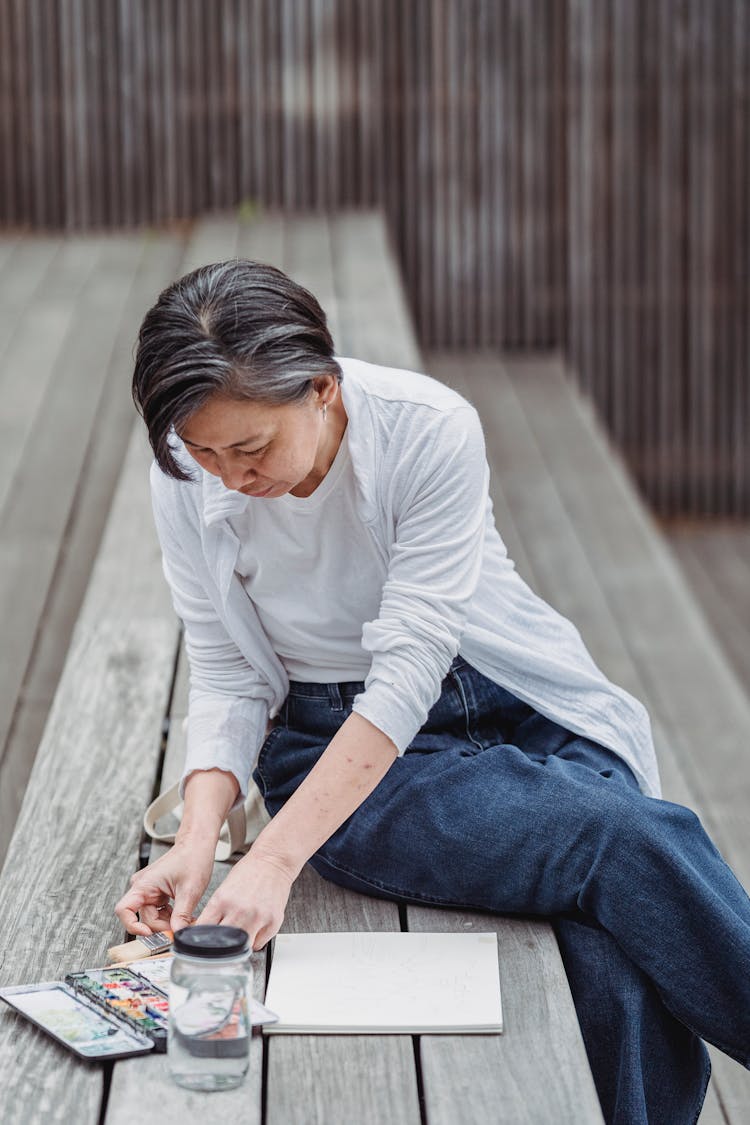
<point x="238" y="329"/>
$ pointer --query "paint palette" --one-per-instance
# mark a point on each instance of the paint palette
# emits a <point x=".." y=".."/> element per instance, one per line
<point x="127" y="996"/>
<point x="109" y="1013"/>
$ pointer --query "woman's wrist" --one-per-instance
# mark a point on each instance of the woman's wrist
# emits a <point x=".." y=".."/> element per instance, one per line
<point x="283" y="859"/>
<point x="209" y="795"/>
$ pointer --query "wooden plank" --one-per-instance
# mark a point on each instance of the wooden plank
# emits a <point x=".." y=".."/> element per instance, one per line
<point x="102" y="461"/>
<point x="690" y="683"/>
<point x="454" y="369"/>
<point x="41" y="494"/>
<point x="146" y="1082"/>
<point x="262" y="239"/>
<point x="7" y="169"/>
<point x="329" y="1079"/>
<point x="35" y="326"/>
<point x="9" y="244"/>
<point x="741" y="236"/>
<point x="715" y="559"/>
<point x="537" y="1070"/>
<point x="308" y="260"/>
<point x="93" y="776"/>
<point x="467" y="1054"/>
<point x="23" y="267"/>
<point x="213" y="239"/>
<point x="374" y="314"/>
<point x="669" y="205"/>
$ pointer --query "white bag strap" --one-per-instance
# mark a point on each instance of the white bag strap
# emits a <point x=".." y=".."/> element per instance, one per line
<point x="231" y="837"/>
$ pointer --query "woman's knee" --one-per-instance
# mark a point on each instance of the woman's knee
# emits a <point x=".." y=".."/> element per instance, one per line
<point x="657" y="823"/>
<point x="640" y="842"/>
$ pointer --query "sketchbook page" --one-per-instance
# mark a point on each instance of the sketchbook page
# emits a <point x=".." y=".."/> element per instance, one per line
<point x="385" y="982"/>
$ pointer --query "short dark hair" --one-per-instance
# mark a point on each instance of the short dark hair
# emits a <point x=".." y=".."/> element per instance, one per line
<point x="240" y="329"/>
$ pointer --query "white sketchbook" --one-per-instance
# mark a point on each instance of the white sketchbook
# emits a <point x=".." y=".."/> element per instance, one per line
<point x="385" y="983"/>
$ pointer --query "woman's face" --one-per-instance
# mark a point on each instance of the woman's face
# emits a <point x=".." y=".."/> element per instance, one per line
<point x="265" y="450"/>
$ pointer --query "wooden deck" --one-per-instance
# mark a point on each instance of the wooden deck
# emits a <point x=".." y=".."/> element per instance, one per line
<point x="78" y="834"/>
<point x="670" y="621"/>
<point x="715" y="558"/>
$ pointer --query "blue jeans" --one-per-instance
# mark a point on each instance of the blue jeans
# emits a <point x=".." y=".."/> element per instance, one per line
<point x="495" y="807"/>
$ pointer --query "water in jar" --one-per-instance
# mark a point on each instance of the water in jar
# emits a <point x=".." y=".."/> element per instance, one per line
<point x="209" y="1029"/>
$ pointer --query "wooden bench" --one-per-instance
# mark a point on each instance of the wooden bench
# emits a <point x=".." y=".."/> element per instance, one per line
<point x="69" y="311"/>
<point x="572" y="520"/>
<point x="114" y="738"/>
<point x="715" y="558"/>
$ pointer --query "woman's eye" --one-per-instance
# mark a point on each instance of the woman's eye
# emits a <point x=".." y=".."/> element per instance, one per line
<point x="254" y="452"/>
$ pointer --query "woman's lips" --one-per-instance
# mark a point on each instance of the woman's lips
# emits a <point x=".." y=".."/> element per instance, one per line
<point x="257" y="494"/>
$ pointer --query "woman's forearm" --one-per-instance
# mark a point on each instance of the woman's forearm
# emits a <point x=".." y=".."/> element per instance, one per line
<point x="354" y="762"/>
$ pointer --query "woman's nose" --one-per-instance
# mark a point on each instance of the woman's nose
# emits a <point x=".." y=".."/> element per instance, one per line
<point x="233" y="476"/>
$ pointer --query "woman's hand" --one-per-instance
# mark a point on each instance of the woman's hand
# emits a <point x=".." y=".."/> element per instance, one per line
<point x="182" y="875"/>
<point x="253" y="896"/>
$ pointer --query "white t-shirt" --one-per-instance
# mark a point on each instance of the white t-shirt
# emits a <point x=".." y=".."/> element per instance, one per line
<point x="311" y="568"/>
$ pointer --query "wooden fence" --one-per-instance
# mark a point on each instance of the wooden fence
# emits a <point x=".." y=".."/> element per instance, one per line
<point x="556" y="173"/>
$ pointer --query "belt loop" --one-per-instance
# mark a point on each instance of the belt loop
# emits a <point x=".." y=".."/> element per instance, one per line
<point x="334" y="697"/>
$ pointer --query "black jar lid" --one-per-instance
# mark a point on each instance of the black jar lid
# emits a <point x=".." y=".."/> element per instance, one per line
<point x="211" y="941"/>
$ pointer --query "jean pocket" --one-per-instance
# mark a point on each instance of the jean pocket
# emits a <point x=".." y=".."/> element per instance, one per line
<point x="261" y="763"/>
<point x="259" y="782"/>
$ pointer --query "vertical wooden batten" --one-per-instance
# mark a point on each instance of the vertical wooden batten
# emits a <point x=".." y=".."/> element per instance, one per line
<point x="564" y="174"/>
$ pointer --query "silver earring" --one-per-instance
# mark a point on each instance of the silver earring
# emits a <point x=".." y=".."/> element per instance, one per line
<point x="325" y="410"/>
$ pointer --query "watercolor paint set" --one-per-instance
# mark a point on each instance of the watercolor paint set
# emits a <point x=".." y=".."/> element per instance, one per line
<point x="99" y="1013"/>
<point x="109" y="1013"/>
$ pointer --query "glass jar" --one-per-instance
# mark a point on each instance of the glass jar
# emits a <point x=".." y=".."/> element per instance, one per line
<point x="209" y="1007"/>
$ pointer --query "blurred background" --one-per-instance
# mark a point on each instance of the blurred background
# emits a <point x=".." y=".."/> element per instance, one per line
<point x="554" y="173"/>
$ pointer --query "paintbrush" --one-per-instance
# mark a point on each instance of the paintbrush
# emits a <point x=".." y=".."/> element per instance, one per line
<point x="145" y="945"/>
<point x="128" y="964"/>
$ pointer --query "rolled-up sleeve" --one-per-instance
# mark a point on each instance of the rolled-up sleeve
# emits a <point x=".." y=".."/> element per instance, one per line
<point x="229" y="701"/>
<point x="434" y="568"/>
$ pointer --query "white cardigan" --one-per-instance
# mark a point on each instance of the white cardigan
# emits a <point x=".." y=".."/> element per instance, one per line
<point x="418" y="456"/>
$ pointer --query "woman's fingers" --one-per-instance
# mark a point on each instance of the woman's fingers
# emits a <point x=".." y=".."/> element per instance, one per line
<point x="147" y="894"/>
<point x="212" y="914"/>
<point x="127" y="910"/>
<point x="185" y="901"/>
<point x="156" y="917"/>
<point x="179" y="876"/>
<point x="253" y="896"/>
<point x="260" y="926"/>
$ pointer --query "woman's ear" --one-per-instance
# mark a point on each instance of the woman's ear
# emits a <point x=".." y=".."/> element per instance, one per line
<point x="323" y="386"/>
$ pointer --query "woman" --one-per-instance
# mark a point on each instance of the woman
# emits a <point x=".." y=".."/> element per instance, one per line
<point x="441" y="734"/>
